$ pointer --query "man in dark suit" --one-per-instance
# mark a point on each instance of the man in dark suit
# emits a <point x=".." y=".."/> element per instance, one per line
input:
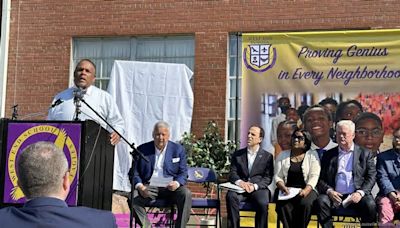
<point x="252" y="169"/>
<point x="43" y="176"/>
<point x="167" y="161"/>
<point x="347" y="177"/>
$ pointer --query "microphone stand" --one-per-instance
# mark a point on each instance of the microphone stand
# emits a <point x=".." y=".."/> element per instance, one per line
<point x="15" y="112"/>
<point x="77" y="103"/>
<point x="135" y="153"/>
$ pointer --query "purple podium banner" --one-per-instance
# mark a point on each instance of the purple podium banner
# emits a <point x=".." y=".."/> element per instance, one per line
<point x="65" y="135"/>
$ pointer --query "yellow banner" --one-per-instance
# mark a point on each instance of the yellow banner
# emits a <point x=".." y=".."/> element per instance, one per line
<point x="345" y="64"/>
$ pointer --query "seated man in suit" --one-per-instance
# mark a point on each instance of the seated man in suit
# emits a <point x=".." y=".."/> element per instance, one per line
<point x="388" y="178"/>
<point x="166" y="160"/>
<point x="43" y="176"/>
<point x="252" y="168"/>
<point x="347" y="177"/>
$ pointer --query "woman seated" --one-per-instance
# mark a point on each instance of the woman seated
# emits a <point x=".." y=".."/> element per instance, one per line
<point x="300" y="169"/>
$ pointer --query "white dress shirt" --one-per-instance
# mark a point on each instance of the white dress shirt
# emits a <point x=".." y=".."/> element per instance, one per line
<point x="251" y="157"/>
<point x="98" y="99"/>
<point x="344" y="176"/>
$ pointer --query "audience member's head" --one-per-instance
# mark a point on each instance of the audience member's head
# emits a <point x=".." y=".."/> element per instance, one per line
<point x="369" y="131"/>
<point x="396" y="139"/>
<point x="301" y="109"/>
<point x="284" y="133"/>
<point x="317" y="121"/>
<point x="300" y="140"/>
<point x="348" y="110"/>
<point x="85" y="73"/>
<point x="330" y="104"/>
<point x="292" y="115"/>
<point x="161" y="134"/>
<point x="43" y="171"/>
<point x="284" y="104"/>
<point x="345" y="134"/>
<point x="255" y="136"/>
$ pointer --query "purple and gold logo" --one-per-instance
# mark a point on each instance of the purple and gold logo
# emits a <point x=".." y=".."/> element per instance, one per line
<point x="259" y="57"/>
<point x="65" y="136"/>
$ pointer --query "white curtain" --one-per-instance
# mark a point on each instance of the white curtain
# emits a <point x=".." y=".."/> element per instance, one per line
<point x="145" y="93"/>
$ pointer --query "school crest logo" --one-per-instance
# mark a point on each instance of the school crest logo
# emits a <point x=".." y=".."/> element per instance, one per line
<point x="259" y="57"/>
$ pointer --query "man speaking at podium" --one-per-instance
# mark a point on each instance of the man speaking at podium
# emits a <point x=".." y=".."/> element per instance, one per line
<point x="64" y="105"/>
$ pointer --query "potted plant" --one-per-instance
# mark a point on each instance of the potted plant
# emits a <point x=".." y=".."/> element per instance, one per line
<point x="209" y="151"/>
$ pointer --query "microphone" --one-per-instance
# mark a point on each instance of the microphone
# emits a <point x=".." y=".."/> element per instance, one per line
<point x="56" y="103"/>
<point x="78" y="94"/>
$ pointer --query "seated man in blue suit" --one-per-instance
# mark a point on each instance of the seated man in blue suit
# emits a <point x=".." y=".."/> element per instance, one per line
<point x="43" y="176"/>
<point x="388" y="178"/>
<point x="167" y="160"/>
<point x="252" y="169"/>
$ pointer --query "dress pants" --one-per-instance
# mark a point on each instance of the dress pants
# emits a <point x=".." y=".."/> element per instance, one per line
<point x="386" y="211"/>
<point x="296" y="212"/>
<point x="182" y="197"/>
<point x="366" y="206"/>
<point x="259" y="199"/>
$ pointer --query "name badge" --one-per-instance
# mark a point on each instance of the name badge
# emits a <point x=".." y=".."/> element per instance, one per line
<point x="175" y="160"/>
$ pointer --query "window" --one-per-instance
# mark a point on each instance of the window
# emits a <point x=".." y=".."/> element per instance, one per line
<point x="234" y="87"/>
<point x="103" y="52"/>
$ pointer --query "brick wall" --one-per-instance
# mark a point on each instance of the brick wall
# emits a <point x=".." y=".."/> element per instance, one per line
<point x="41" y="34"/>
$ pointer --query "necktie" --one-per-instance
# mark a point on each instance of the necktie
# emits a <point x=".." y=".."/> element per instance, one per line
<point x="320" y="152"/>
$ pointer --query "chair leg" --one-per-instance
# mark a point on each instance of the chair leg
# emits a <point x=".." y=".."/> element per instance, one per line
<point x="171" y="217"/>
<point x="219" y="218"/>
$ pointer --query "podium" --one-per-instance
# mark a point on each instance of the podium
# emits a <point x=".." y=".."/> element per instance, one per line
<point x="88" y="150"/>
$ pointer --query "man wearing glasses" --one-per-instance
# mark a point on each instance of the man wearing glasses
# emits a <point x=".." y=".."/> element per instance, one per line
<point x="369" y="131"/>
<point x="388" y="178"/>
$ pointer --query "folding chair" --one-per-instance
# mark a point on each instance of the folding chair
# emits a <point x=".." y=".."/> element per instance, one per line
<point x="161" y="203"/>
<point x="206" y="176"/>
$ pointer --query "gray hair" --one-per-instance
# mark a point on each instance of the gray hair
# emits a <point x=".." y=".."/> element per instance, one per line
<point x="350" y="124"/>
<point x="161" y="124"/>
<point x="40" y="168"/>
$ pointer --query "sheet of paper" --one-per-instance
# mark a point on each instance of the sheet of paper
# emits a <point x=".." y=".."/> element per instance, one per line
<point x="347" y="201"/>
<point x="292" y="193"/>
<point x="232" y="187"/>
<point x="160" y="181"/>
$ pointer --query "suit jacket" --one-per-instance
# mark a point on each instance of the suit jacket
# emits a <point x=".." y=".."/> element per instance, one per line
<point x="364" y="171"/>
<point x="175" y="164"/>
<point x="388" y="172"/>
<point x="50" y="212"/>
<point x="262" y="170"/>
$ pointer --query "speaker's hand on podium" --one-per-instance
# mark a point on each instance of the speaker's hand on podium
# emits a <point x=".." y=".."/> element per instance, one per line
<point x="114" y="138"/>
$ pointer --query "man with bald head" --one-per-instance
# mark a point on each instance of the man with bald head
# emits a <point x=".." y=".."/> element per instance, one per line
<point x="63" y="105"/>
<point x="252" y="169"/>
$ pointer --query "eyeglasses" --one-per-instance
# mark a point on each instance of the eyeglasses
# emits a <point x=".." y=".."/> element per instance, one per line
<point x="298" y="137"/>
<point x="375" y="133"/>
